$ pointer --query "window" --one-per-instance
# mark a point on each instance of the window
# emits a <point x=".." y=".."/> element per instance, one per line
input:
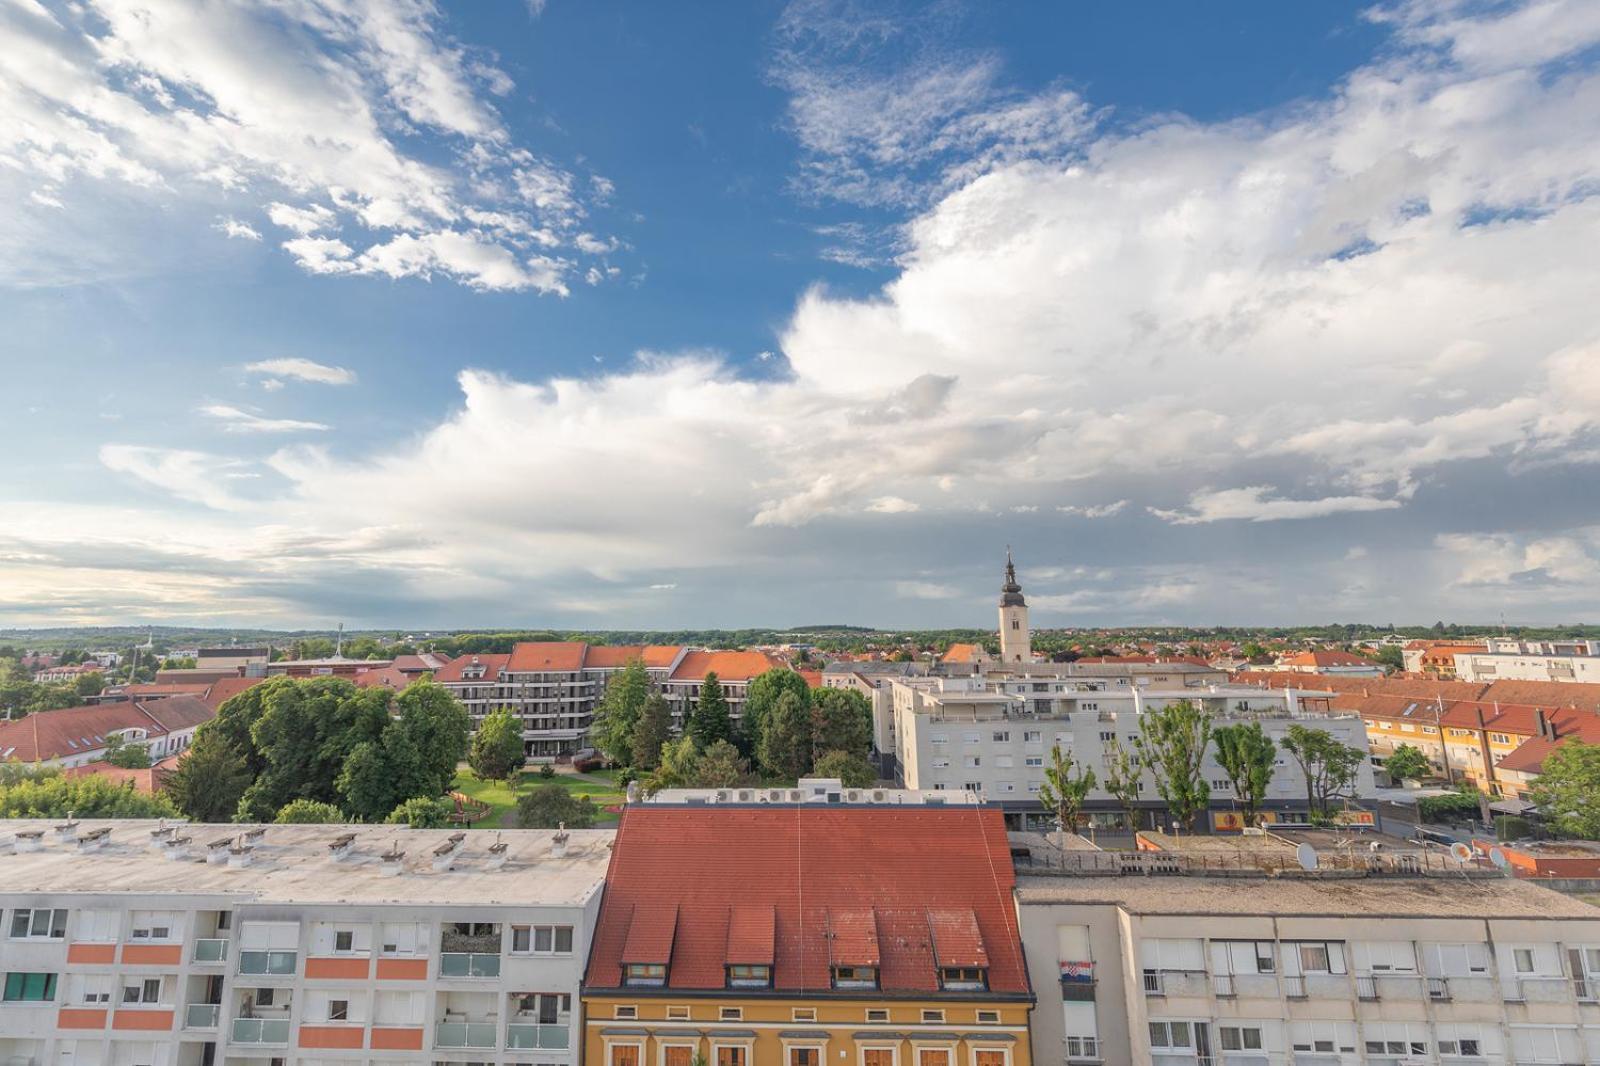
<point x="938" y="738"/>
<point x="338" y="1010"/>
<point x="877" y="1056"/>
<point x="1499" y="738"/>
<point x="988" y="1017"/>
<point x="344" y="940"/>
<point x="732" y="1054"/>
<point x="971" y="761"/>
<point x="749" y="976"/>
<point x="962" y="978"/>
<point x="146" y="991"/>
<point x="933" y="1017"/>
<point x="1171" y="1035"/>
<point x="30" y="988"/>
<point x="973" y="786"/>
<point x="677" y="1055"/>
<point x="41" y="924"/>
<point x="1002" y="736"/>
<point x="805" y="1056"/>
<point x="1031" y="736"/>
<point x="1033" y="760"/>
<point x="730" y="1014"/>
<point x="644" y="973"/>
<point x="1240" y="1037"/>
<point x="624" y="1054"/>
<point x="803" y="1014"/>
<point x="1523" y="959"/>
<point x="1318" y="957"/>
<point x="625" y="1012"/>
<point x="677" y="1014"/>
<point x="1107" y="737"/>
<point x="970" y="738"/>
<point x="877" y="1015"/>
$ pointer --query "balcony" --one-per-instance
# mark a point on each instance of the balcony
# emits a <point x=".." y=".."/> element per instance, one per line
<point x="268" y="963"/>
<point x="541" y="1037"/>
<point x="464" y="1034"/>
<point x="202" y="1015"/>
<point x="468" y="964"/>
<point x="1438" y="989"/>
<point x="265" y="1032"/>
<point x="210" y="950"/>
<point x="1294" y="987"/>
<point x="1222" y="986"/>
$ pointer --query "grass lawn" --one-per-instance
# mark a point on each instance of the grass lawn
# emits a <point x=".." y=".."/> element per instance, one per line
<point x="601" y="787"/>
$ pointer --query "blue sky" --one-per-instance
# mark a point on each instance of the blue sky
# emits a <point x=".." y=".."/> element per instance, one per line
<point x="612" y="314"/>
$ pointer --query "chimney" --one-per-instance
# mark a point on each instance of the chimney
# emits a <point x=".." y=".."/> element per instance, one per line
<point x="497" y="853"/>
<point x="240" y="857"/>
<point x="159" y="835"/>
<point x="253" y="836"/>
<point x="217" y="851"/>
<point x="391" y="861"/>
<point x="30" y="839"/>
<point x="94" y="840"/>
<point x="444" y="856"/>
<point x="342" y="847"/>
<point x="558" y="843"/>
<point x="178" y="848"/>
<point x="67" y="831"/>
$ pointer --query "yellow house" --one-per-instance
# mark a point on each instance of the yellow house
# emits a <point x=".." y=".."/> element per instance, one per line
<point x="805" y="935"/>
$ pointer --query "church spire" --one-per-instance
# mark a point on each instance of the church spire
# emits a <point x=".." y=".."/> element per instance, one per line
<point x="1011" y="592"/>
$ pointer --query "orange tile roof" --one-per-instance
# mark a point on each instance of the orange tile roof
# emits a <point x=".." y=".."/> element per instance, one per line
<point x="853" y="938"/>
<point x="71" y="731"/>
<point x="960" y="653"/>
<point x="555" y="656"/>
<point x="220" y="692"/>
<point x="148" y="780"/>
<point x="727" y="665"/>
<point x="492" y="665"/>
<point x="389" y="677"/>
<point x="661" y="656"/>
<point x="956" y="940"/>
<point x="611" y="656"/>
<point x="650" y="933"/>
<point x="1327" y="658"/>
<point x="752" y="928"/>
<point x="813" y="866"/>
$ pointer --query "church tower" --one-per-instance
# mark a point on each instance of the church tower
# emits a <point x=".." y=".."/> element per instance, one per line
<point x="1015" y="644"/>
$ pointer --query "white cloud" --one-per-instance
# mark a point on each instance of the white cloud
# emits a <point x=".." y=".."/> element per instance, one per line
<point x="237" y="420"/>
<point x="1526" y="567"/>
<point x="303" y="370"/>
<point x="1254" y="504"/>
<point x="892" y="505"/>
<point x="924" y="590"/>
<point x="1098" y="510"/>
<point x="232" y="227"/>
<point x="309" y="109"/>
<point x="189" y="475"/>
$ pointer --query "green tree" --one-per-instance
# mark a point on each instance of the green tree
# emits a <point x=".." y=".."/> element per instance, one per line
<point x="496" y="751"/>
<point x="45" y="793"/>
<point x="309" y="812"/>
<point x="1407" y="763"/>
<point x="720" y="766"/>
<point x="1172" y="743"/>
<point x="785" y="744"/>
<point x="679" y="766"/>
<point x="851" y="769"/>
<point x="1246" y="754"/>
<point x="129" y="756"/>
<point x="841" y="720"/>
<point x="1390" y="657"/>
<point x="1568" y="789"/>
<point x="1330" y="767"/>
<point x="761" y="697"/>
<point x="710" y="722"/>
<point x="1066" y="784"/>
<point x="421" y="812"/>
<point x="618" y="711"/>
<point x="549" y="806"/>
<point x="209" y="779"/>
<point x="89" y="685"/>
<point x="381" y="774"/>
<point x="1124" y="778"/>
<point x="651" y="732"/>
<point x="437" y="726"/>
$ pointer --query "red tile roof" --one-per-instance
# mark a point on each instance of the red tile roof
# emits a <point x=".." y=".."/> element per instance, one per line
<point x="752" y="928"/>
<point x="821" y="871"/>
<point x="611" y="656"/>
<point x="556" y="656"/>
<point x="956" y="940"/>
<point x="727" y="665"/>
<point x="1327" y="658"/>
<point x="853" y="938"/>
<point x="222" y="691"/>
<point x="661" y="656"/>
<point x="492" y="665"/>
<point x="72" y="731"/>
<point x="389" y="677"/>
<point x="650" y="933"/>
<point x="961" y="653"/>
<point x="148" y="780"/>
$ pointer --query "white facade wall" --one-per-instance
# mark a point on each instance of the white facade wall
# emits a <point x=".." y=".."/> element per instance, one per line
<point x="1351" y="990"/>
<point x="1484" y="667"/>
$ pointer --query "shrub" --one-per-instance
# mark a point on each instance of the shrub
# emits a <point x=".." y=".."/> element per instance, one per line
<point x="422" y="813"/>
<point x="309" y="812"/>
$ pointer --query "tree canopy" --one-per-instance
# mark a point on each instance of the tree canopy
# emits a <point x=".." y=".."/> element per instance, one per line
<point x="1172" y="744"/>
<point x="618" y="711"/>
<point x="761" y="696"/>
<point x="1329" y="765"/>
<point x="45" y="793"/>
<point x="709" y="721"/>
<point x="1066" y="784"/>
<point x="1407" y="763"/>
<point x="496" y="750"/>
<point x="841" y="720"/>
<point x="1246" y="754"/>
<point x="549" y="806"/>
<point x="1568" y="789"/>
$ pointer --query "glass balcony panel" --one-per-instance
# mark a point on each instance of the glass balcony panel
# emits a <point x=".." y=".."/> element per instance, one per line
<point x="542" y="1037"/>
<point x="260" y="1031"/>
<point x="464" y="1034"/>
<point x="201" y="1015"/>
<point x="210" y="950"/>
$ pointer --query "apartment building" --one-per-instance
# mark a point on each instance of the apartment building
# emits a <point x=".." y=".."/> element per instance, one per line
<point x="1565" y="661"/>
<point x="133" y="943"/>
<point x="554" y="687"/>
<point x="77" y="736"/>
<point x="994" y="736"/>
<point x="1437" y="967"/>
<point x="801" y="934"/>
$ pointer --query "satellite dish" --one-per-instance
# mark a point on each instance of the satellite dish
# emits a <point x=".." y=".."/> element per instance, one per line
<point x="1306" y="856"/>
<point x="1499" y="859"/>
<point x="1460" y="852"/>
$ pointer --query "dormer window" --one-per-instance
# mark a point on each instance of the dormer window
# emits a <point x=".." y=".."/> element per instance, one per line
<point x="963" y="978"/>
<point x="644" y="973"/>
<point x="855" y="977"/>
<point x="749" y="976"/>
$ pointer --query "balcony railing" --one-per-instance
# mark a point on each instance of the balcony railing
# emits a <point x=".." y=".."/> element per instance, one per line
<point x="543" y="1037"/>
<point x="1154" y="983"/>
<point x="261" y="1030"/>
<point x="1222" y="986"/>
<point x="464" y="964"/>
<point x="1366" y="987"/>
<point x="1083" y="1049"/>
<point x="273" y="963"/>
<point x="464" y="1034"/>
<point x="201" y="1015"/>
<point x="1294" y="987"/>
<point x="1438" y="988"/>
<point x="210" y="950"/>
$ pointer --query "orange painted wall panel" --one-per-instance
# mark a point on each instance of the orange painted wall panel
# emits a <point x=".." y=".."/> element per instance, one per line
<point x="390" y="1039"/>
<point x="402" y="969"/>
<point x="95" y="953"/>
<point x="149" y="1021"/>
<point x="81" y="1018"/>
<point x="334" y="1036"/>
<point x="152" y="954"/>
<point x="346" y="968"/>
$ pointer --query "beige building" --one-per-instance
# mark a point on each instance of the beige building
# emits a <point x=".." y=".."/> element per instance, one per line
<point x="130" y="943"/>
<point x="1436" y="968"/>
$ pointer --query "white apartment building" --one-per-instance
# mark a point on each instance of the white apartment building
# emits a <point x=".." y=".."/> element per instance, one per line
<point x="133" y="943"/>
<point x="1445" y="969"/>
<point x="1537" y="660"/>
<point x="994" y="736"/>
